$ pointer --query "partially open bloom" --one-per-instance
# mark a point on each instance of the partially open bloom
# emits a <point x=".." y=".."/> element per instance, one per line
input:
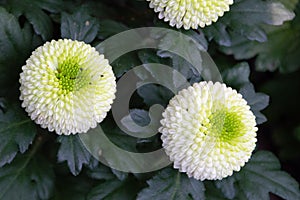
<point x="208" y="131"/>
<point x="67" y="86"/>
<point x="190" y="13"/>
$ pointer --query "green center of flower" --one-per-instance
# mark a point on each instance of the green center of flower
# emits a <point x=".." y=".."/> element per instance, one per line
<point x="226" y="125"/>
<point x="70" y="76"/>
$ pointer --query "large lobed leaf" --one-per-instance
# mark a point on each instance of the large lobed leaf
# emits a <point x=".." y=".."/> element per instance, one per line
<point x="259" y="177"/>
<point x="15" y="47"/>
<point x="171" y="184"/>
<point x="74" y="153"/>
<point x="280" y="51"/>
<point x="79" y="26"/>
<point x="245" y="20"/>
<point x="26" y="178"/>
<point x="17" y="132"/>
<point x="34" y="12"/>
<point x="256" y="100"/>
<point x="237" y="76"/>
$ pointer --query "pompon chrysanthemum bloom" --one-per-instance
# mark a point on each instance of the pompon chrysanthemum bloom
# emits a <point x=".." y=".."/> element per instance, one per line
<point x="208" y="131"/>
<point x="190" y="13"/>
<point x="67" y="86"/>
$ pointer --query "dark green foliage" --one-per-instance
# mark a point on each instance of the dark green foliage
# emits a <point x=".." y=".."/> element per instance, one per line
<point x="259" y="177"/>
<point x="27" y="178"/>
<point x="17" y="132"/>
<point x="256" y="35"/>
<point x="79" y="26"/>
<point x="15" y="42"/>
<point x="73" y="151"/>
<point x="171" y="184"/>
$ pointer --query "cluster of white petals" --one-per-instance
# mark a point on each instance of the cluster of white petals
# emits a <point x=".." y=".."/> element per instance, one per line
<point x="190" y="13"/>
<point x="67" y="86"/>
<point x="208" y="131"/>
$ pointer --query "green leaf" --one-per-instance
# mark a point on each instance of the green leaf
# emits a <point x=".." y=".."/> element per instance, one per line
<point x="155" y="94"/>
<point x="109" y="28"/>
<point x="17" y="132"/>
<point x="114" y="189"/>
<point x="119" y="174"/>
<point x="141" y="117"/>
<point x="227" y="187"/>
<point x="290" y="4"/>
<point x="186" y="44"/>
<point x="212" y="192"/>
<point x="245" y="20"/>
<point x="280" y="51"/>
<point x="33" y="10"/>
<point x="237" y="76"/>
<point x="177" y="62"/>
<point x="27" y="178"/>
<point x="124" y="63"/>
<point x="257" y="101"/>
<point x="74" y="152"/>
<point x="171" y="184"/>
<point x="15" y="47"/>
<point x="118" y="137"/>
<point x="79" y="26"/>
<point x="259" y="177"/>
<point x="101" y="172"/>
<point x="169" y="59"/>
<point x="259" y="11"/>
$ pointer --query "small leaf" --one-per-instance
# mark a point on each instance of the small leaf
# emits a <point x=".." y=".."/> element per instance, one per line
<point x="189" y="48"/>
<point x="26" y="178"/>
<point x="154" y="94"/>
<point x="259" y="177"/>
<point x="218" y="33"/>
<point x="237" y="76"/>
<point x="17" y="132"/>
<point x="171" y="184"/>
<point x="141" y="117"/>
<point x="74" y="152"/>
<point x="79" y="26"/>
<point x="173" y="78"/>
<point x="101" y="172"/>
<point x="257" y="101"/>
<point x="142" y="122"/>
<point x="119" y="174"/>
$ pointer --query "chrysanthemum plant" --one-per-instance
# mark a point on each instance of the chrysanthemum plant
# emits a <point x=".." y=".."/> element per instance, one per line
<point x="56" y="84"/>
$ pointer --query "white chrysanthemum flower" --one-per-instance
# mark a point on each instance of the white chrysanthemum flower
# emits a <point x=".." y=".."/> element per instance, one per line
<point x="190" y="13"/>
<point x="208" y="131"/>
<point x="67" y="86"/>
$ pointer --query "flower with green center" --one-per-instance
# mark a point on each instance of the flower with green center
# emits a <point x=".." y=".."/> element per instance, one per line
<point x="208" y="131"/>
<point x="67" y="86"/>
<point x="190" y="13"/>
